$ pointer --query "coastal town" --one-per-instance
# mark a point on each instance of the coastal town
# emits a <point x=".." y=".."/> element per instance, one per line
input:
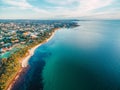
<point x="18" y="41"/>
<point x="13" y="33"/>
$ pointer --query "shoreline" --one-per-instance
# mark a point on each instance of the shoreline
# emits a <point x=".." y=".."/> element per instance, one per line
<point x="32" y="50"/>
<point x="24" y="61"/>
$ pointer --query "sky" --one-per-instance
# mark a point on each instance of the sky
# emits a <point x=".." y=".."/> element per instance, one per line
<point x="59" y="9"/>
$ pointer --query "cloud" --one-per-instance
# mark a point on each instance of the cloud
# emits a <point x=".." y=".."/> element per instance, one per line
<point x="83" y="7"/>
<point x="66" y="8"/>
<point x="23" y="4"/>
<point x="94" y="4"/>
<point x="63" y="2"/>
<point x="87" y="7"/>
<point x="18" y="3"/>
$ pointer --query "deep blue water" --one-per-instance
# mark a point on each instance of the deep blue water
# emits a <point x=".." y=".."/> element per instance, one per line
<point x="81" y="58"/>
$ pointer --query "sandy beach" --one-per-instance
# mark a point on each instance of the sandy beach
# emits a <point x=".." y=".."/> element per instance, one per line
<point x="25" y="60"/>
<point x="31" y="51"/>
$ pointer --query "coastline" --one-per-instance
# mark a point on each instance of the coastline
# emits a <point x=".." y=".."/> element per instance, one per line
<point x="25" y="60"/>
<point x="31" y="51"/>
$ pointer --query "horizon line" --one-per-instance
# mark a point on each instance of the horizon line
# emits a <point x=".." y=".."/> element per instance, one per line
<point x="33" y="19"/>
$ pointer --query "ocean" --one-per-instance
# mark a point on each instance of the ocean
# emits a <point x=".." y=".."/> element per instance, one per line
<point x="82" y="58"/>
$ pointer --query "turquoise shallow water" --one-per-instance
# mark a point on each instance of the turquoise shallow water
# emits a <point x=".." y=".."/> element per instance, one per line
<point x="82" y="58"/>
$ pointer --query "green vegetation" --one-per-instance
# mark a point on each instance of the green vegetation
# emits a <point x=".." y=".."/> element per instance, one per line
<point x="11" y="65"/>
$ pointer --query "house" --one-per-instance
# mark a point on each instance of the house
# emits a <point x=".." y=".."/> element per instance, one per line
<point x="26" y="33"/>
<point x="33" y="36"/>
